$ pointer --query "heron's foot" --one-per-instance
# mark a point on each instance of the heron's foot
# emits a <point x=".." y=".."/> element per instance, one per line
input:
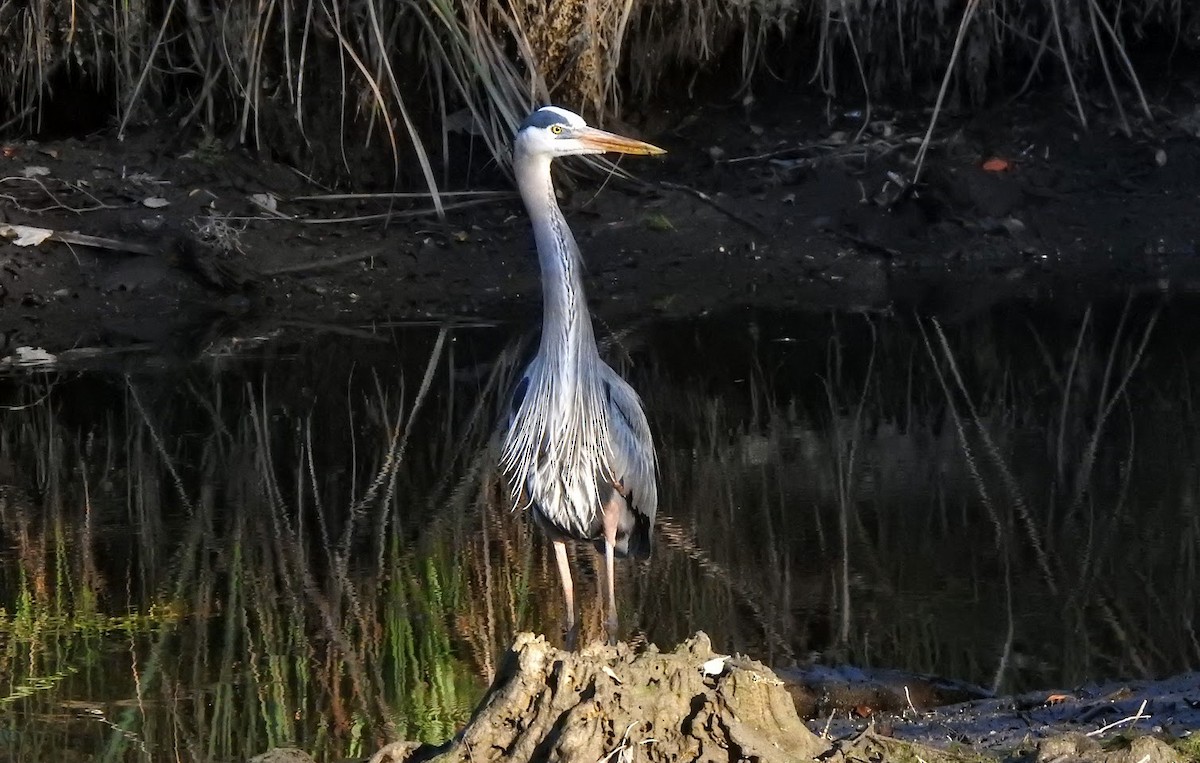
<point x="571" y="637"/>
<point x="610" y="629"/>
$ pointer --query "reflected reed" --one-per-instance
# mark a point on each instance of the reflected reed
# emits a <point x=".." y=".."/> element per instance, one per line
<point x="311" y="546"/>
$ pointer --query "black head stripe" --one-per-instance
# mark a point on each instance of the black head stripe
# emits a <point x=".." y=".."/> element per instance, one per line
<point x="543" y="118"/>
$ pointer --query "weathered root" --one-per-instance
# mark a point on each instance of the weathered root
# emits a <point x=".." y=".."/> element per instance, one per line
<point x="608" y="704"/>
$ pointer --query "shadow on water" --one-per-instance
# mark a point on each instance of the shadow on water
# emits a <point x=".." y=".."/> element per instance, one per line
<point x="307" y="544"/>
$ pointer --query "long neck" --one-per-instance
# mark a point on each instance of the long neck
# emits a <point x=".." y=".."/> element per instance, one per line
<point x="566" y="322"/>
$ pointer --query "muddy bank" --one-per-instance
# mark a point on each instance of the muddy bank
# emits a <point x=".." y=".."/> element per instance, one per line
<point x="1086" y="722"/>
<point x="157" y="244"/>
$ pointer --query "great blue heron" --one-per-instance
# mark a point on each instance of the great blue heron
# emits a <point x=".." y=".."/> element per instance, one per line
<point x="578" y="451"/>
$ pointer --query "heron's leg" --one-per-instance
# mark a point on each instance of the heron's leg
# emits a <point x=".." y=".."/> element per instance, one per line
<point x="564" y="574"/>
<point x="613" y="508"/>
<point x="610" y="578"/>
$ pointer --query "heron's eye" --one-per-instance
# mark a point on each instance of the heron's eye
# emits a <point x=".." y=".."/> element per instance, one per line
<point x="556" y="129"/>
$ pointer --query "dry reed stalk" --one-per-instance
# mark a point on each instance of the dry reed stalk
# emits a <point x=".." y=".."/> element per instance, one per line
<point x="336" y="82"/>
<point x="968" y="15"/>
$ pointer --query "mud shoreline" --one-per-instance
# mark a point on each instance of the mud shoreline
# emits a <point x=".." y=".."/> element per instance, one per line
<point x="767" y="210"/>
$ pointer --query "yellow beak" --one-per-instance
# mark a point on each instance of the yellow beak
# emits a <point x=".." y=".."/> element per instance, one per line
<point x="607" y="141"/>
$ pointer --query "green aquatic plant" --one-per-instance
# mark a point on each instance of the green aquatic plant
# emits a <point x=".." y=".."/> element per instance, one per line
<point x="432" y="694"/>
<point x="284" y="655"/>
<point x="33" y="684"/>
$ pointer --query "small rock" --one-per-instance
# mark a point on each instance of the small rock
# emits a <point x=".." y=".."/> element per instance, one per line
<point x="1077" y="747"/>
<point x="1014" y="226"/>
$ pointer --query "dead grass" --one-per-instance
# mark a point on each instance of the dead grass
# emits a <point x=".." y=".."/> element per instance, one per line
<point x="335" y="83"/>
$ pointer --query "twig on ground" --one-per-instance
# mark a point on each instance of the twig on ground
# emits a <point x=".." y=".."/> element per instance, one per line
<point x="779" y="154"/>
<point x="908" y="699"/>
<point x="623" y="751"/>
<point x="307" y="267"/>
<point x="273" y="214"/>
<point x="58" y="204"/>
<point x="869" y="245"/>
<point x="715" y="205"/>
<point x="403" y="195"/>
<point x="1128" y="719"/>
<point x="81" y="239"/>
<point x="828" y="724"/>
<point x="830" y="150"/>
<point x="100" y="242"/>
<point x="333" y="328"/>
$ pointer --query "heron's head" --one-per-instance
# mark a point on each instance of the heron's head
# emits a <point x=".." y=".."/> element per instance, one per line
<point x="551" y="131"/>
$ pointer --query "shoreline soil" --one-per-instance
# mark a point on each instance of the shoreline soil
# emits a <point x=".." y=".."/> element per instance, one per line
<point x="775" y="210"/>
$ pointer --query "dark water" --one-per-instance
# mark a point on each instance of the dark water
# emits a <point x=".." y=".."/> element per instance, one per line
<point x="301" y="541"/>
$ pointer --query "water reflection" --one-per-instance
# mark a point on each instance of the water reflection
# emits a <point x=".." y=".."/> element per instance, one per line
<point x="307" y="544"/>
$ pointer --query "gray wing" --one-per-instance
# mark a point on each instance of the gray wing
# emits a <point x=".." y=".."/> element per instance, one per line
<point x="631" y="447"/>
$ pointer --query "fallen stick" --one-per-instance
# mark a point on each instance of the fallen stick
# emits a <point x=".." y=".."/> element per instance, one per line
<point x="28" y="235"/>
<point x="702" y="196"/>
<point x="306" y="267"/>
<point x="1128" y="719"/>
<point x="99" y="242"/>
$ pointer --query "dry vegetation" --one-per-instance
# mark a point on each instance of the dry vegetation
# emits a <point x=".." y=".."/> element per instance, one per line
<point x="327" y="83"/>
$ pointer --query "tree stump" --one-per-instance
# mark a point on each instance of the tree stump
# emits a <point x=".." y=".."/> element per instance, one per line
<point x="609" y="704"/>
